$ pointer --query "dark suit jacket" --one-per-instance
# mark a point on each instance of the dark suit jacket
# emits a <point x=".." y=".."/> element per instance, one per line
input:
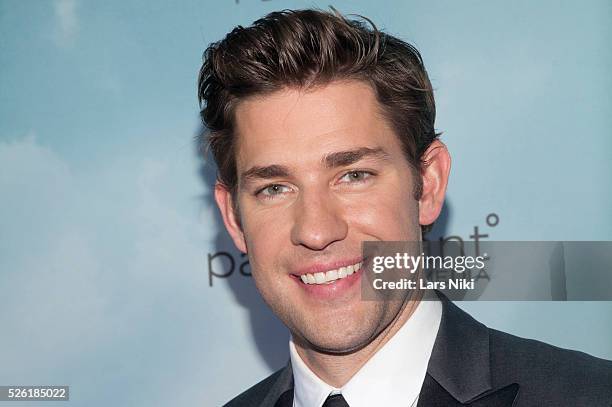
<point x="472" y="365"/>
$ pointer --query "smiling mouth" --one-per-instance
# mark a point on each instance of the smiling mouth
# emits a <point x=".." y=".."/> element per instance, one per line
<point x="330" y="276"/>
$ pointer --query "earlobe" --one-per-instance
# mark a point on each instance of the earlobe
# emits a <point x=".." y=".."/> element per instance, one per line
<point x="224" y="200"/>
<point x="435" y="172"/>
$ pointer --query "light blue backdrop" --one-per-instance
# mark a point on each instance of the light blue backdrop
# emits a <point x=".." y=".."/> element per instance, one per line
<point x="106" y="221"/>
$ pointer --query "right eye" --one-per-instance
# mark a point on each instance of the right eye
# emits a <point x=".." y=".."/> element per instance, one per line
<point x="273" y="190"/>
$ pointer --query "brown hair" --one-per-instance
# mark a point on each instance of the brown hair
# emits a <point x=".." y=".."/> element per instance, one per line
<point x="302" y="48"/>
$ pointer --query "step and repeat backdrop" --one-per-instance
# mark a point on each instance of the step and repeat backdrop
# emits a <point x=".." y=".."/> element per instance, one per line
<point x="117" y="278"/>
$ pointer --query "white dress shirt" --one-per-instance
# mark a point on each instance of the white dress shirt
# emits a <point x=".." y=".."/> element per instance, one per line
<point x="392" y="377"/>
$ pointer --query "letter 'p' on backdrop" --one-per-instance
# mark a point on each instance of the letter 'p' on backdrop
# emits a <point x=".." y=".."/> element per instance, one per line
<point x="117" y="278"/>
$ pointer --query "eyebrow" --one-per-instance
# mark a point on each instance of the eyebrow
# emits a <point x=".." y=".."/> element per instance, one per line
<point x="344" y="158"/>
<point x="332" y="160"/>
<point x="266" y="172"/>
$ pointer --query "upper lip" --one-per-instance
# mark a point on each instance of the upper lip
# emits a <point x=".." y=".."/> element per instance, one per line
<point x="323" y="267"/>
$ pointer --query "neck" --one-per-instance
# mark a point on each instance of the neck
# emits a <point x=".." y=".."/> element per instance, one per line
<point x="337" y="370"/>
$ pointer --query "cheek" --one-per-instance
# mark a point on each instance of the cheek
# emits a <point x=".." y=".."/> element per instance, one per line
<point x="265" y="234"/>
<point x="386" y="215"/>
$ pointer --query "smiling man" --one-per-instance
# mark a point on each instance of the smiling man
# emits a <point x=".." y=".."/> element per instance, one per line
<point x="323" y="132"/>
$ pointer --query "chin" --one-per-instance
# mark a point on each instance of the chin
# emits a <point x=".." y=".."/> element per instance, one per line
<point x="338" y="342"/>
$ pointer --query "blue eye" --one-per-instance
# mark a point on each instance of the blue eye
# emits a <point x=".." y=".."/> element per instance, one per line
<point x="273" y="190"/>
<point x="356" y="176"/>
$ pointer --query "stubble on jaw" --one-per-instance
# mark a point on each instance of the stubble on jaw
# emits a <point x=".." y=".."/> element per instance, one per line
<point x="336" y="367"/>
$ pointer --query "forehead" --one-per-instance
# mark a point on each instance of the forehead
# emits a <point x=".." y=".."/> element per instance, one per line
<point x="297" y="125"/>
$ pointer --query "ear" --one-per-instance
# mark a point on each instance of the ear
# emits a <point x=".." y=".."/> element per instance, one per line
<point x="435" y="171"/>
<point x="226" y="206"/>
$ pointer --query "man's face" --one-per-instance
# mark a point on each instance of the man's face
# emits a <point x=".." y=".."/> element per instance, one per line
<point x="320" y="171"/>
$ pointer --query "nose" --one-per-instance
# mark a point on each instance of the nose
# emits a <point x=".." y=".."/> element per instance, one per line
<point x="318" y="221"/>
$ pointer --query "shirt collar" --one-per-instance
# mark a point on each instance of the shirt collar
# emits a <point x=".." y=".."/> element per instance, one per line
<point x="309" y="390"/>
<point x="393" y="375"/>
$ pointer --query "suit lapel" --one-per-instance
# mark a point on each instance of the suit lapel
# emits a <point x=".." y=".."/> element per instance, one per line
<point x="281" y="391"/>
<point x="285" y="399"/>
<point x="434" y="395"/>
<point x="459" y="369"/>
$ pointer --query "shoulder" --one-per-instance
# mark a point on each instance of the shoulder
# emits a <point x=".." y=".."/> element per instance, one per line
<point x="255" y="395"/>
<point x="545" y="370"/>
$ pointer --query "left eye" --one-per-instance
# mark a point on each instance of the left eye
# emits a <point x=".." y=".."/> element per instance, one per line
<point x="355" y="176"/>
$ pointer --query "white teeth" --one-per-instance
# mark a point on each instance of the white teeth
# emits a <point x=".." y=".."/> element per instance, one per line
<point x="331" y="275"/>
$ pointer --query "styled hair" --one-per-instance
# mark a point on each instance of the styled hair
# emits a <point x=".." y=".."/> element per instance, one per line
<point x="305" y="48"/>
